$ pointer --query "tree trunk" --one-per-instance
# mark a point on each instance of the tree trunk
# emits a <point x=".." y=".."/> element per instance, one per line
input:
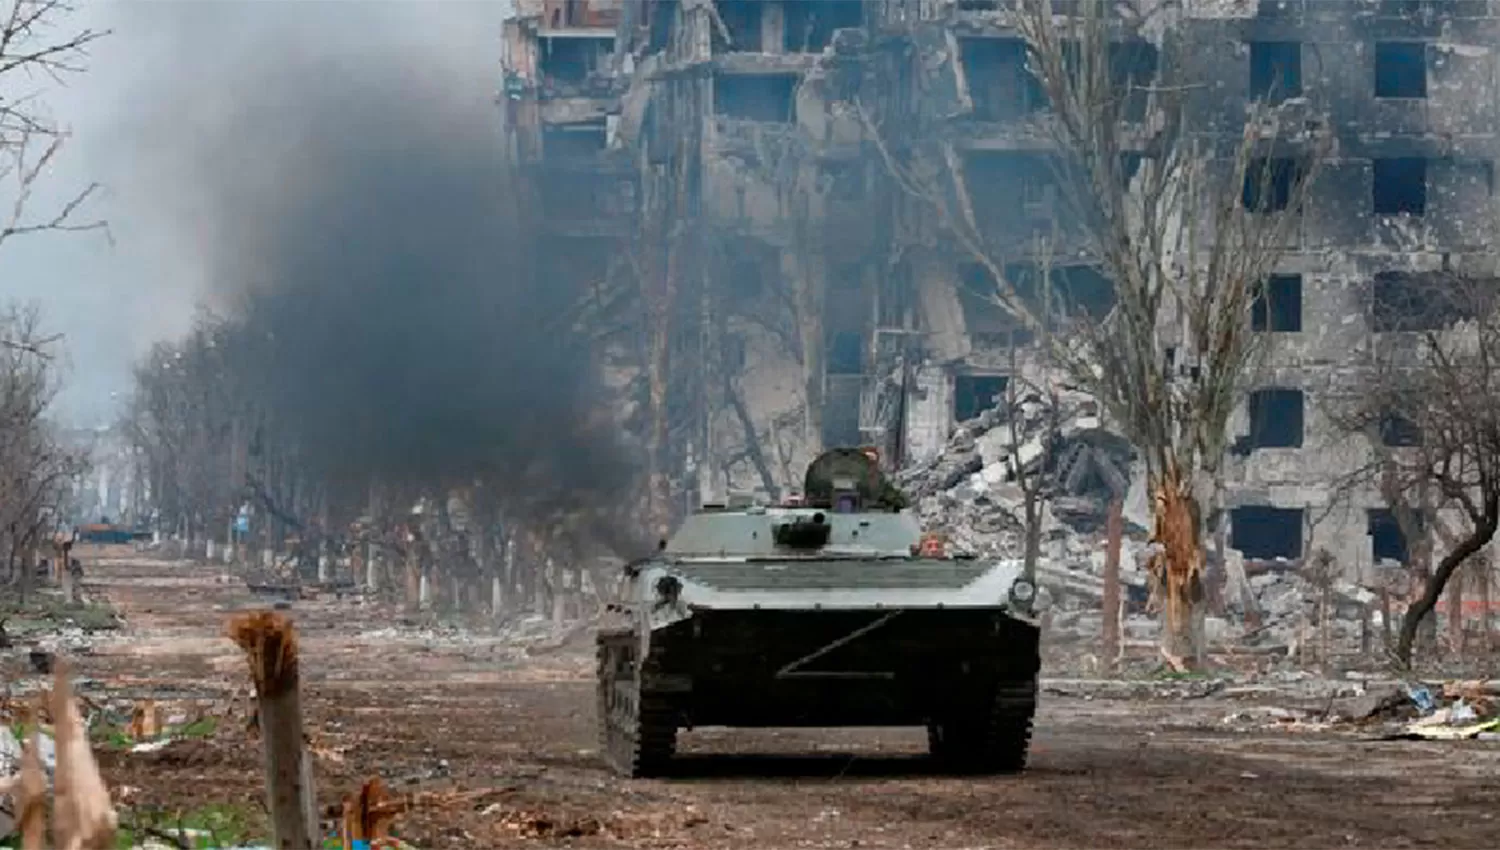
<point x="65" y="578"/>
<point x="1033" y="548"/>
<point x="413" y="577"/>
<point x="1385" y="617"/>
<point x="1486" y="633"/>
<point x="1427" y="632"/>
<point x="1484" y="531"/>
<point x="26" y="576"/>
<point x="808" y="295"/>
<point x="558" y="579"/>
<point x="270" y="645"/>
<point x="1456" y="612"/>
<point x="1177" y="570"/>
<point x="1325" y="626"/>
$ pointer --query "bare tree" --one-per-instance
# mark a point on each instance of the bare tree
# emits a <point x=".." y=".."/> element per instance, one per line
<point x="32" y="51"/>
<point x="36" y="470"/>
<point x="1429" y="408"/>
<point x="1185" y="226"/>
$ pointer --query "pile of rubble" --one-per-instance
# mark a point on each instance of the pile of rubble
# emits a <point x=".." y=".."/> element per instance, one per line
<point x="972" y="492"/>
<point x="1385" y="710"/>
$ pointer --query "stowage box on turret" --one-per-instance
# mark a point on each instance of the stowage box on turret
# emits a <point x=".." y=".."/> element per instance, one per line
<point x="832" y="612"/>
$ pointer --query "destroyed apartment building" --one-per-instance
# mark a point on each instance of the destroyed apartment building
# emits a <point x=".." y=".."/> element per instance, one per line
<point x="716" y="157"/>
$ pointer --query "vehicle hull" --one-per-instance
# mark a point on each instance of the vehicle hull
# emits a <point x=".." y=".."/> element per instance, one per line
<point x="940" y="668"/>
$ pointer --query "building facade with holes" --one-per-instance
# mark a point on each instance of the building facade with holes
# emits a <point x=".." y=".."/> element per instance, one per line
<point x="821" y="293"/>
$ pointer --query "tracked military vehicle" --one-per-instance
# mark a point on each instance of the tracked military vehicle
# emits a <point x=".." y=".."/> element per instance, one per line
<point x="836" y="611"/>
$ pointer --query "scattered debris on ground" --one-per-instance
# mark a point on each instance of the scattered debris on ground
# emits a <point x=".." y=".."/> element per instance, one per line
<point x="486" y="738"/>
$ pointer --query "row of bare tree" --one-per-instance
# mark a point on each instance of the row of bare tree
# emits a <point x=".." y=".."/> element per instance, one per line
<point x="207" y="433"/>
<point x="37" y="468"/>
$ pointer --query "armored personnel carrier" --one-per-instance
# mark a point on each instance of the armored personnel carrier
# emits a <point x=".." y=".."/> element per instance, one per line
<point x="836" y="611"/>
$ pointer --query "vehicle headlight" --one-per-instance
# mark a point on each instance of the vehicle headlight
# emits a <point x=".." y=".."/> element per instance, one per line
<point x="1022" y="592"/>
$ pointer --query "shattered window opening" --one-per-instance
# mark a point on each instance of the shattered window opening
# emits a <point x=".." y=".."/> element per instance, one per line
<point x="1399" y="186"/>
<point x="1399" y="431"/>
<point x="845" y="181"/>
<point x="1264" y="533"/>
<point x="809" y="27"/>
<point x="1269" y="182"/>
<point x="1000" y="85"/>
<point x="1386" y="540"/>
<point x="751" y="264"/>
<point x="768" y="98"/>
<point x="974" y="394"/>
<point x="1407" y="301"/>
<point x="1400" y="69"/>
<point x="1400" y="8"/>
<point x="978" y="294"/>
<point x="1132" y="68"/>
<point x="574" y="141"/>
<point x="663" y="19"/>
<point x="1278" y="305"/>
<point x="848" y="277"/>
<point x="572" y="60"/>
<point x="845" y="354"/>
<point x="733" y="351"/>
<point x="1010" y="190"/>
<point x="1276" y="418"/>
<point x="841" y="421"/>
<point x="745" y="21"/>
<point x="1275" y="70"/>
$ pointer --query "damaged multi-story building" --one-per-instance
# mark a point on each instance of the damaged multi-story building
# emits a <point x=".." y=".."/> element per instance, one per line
<point x="716" y="157"/>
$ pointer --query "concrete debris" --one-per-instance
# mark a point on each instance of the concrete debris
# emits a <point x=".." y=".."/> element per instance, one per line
<point x="1393" y="710"/>
<point x="972" y="493"/>
<point x="1389" y="703"/>
<point x="1135" y="689"/>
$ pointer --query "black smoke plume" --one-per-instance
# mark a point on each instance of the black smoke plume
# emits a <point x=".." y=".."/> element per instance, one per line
<point x="365" y="228"/>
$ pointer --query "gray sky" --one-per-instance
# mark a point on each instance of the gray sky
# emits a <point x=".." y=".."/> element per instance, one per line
<point x="169" y="74"/>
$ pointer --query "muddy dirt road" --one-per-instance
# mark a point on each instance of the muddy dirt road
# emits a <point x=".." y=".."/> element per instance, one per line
<point x="502" y="745"/>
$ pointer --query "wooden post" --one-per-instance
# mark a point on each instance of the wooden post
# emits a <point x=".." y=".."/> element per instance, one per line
<point x="1111" y="613"/>
<point x="270" y="644"/>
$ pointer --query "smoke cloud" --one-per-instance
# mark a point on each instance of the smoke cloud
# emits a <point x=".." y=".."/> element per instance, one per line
<point x="357" y="214"/>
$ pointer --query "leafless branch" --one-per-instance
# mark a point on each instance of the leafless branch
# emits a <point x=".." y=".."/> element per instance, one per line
<point x="1426" y="408"/>
<point x="29" y="140"/>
